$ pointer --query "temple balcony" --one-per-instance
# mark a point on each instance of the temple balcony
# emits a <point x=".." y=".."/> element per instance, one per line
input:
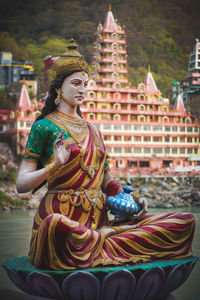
<point x="106" y="40"/>
<point x="134" y="112"/>
<point x="110" y="51"/>
<point x="112" y="80"/>
<point x="105" y="70"/>
<point x="111" y="60"/>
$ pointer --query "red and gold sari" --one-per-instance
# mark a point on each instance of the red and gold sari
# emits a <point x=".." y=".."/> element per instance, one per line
<point x="68" y="225"/>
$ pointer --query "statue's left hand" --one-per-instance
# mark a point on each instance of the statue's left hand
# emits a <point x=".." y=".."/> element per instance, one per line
<point x="144" y="204"/>
<point x="61" y="154"/>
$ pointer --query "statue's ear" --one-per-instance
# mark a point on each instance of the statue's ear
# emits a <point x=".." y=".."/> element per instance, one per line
<point x="58" y="90"/>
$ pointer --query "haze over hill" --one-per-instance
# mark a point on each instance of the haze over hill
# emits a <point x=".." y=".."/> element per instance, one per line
<point x="159" y="32"/>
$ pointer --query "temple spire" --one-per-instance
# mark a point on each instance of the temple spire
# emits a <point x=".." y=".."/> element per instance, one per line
<point x="24" y="102"/>
<point x="110" y="23"/>
<point x="150" y="83"/>
<point x="179" y="106"/>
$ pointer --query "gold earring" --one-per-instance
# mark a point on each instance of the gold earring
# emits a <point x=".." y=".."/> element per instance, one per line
<point x="57" y="100"/>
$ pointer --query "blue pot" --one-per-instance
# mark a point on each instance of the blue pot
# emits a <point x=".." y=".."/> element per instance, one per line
<point x="123" y="205"/>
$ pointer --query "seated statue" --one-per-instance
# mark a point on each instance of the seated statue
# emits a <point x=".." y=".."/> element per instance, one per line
<point x="71" y="228"/>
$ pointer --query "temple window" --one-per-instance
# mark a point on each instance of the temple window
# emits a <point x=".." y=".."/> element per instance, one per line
<point x="141" y="86"/>
<point x="141" y="118"/>
<point x="28" y="124"/>
<point x="98" y="47"/>
<point x="182" y="139"/>
<point x="117" y="127"/>
<point x="115" y="75"/>
<point x="91" y="105"/>
<point x="157" y="128"/>
<point x="137" y="138"/>
<point x="189" y="129"/>
<point x="91" y="94"/>
<point x="147" y="150"/>
<point x="147" y="139"/>
<point x="115" y="55"/>
<point x="174" y="128"/>
<point x="114" y="36"/>
<point x="144" y="164"/>
<point x="91" y="83"/>
<point x="165" y="119"/>
<point x="99" y="36"/>
<point x="174" y="150"/>
<point x="127" y="127"/>
<point x="115" y="46"/>
<point x="117" y="138"/>
<point x="188" y="120"/>
<point x="157" y="150"/>
<point x="115" y="65"/>
<point x="128" y="150"/>
<point x="128" y="138"/>
<point x="182" y="129"/>
<point x="167" y="128"/>
<point x="116" y="106"/>
<point x="141" y="107"/>
<point x="189" y="140"/>
<point x="165" y="108"/>
<point x="116" y="85"/>
<point x="146" y="128"/>
<point x="182" y="150"/>
<point x="116" y="117"/>
<point x="117" y="149"/>
<point x="189" y="150"/>
<point x="117" y="96"/>
<point x="174" y="139"/>
<point x="157" y="139"/>
<point x="21" y="124"/>
<point x="91" y="116"/>
<point x="196" y="129"/>
<point x="141" y="97"/>
<point x="167" y="150"/>
<point x="137" y="150"/>
<point x="137" y="127"/>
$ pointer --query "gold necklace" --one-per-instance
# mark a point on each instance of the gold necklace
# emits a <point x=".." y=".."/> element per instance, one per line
<point x="73" y="121"/>
<point x="89" y="169"/>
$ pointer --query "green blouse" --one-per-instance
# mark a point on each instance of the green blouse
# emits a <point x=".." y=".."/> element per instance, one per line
<point x="41" y="141"/>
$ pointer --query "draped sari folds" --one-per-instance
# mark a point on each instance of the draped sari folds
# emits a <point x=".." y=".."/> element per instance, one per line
<point x="68" y="229"/>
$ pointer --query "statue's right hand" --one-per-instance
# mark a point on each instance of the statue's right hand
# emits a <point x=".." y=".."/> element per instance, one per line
<point x="61" y="154"/>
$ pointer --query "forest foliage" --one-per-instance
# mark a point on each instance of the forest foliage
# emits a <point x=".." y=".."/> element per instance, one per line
<point x="159" y="32"/>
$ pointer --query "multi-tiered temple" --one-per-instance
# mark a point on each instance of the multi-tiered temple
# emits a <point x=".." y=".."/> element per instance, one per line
<point x="140" y="130"/>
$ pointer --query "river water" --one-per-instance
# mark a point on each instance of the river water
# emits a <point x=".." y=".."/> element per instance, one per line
<point x="15" y="231"/>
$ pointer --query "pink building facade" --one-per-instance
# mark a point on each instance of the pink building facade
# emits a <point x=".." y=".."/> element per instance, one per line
<point x="142" y="133"/>
<point x="15" y="124"/>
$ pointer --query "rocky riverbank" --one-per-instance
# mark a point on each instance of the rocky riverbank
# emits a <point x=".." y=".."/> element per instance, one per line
<point x="168" y="192"/>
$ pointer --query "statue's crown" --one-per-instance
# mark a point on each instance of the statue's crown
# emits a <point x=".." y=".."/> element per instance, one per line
<point x="71" y="60"/>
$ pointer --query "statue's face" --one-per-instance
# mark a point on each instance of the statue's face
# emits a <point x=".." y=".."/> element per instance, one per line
<point x="74" y="88"/>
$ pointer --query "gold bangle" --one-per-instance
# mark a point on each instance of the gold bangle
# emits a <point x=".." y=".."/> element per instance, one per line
<point x="135" y="196"/>
<point x="51" y="168"/>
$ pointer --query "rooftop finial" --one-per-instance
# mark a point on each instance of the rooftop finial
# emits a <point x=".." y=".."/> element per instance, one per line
<point x="109" y="7"/>
<point x="149" y="68"/>
<point x="179" y="90"/>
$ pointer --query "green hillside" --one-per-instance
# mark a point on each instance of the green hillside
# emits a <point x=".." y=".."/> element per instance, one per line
<point x="159" y="32"/>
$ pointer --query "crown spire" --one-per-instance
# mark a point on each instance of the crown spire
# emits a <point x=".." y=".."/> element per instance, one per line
<point x="109" y="7"/>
